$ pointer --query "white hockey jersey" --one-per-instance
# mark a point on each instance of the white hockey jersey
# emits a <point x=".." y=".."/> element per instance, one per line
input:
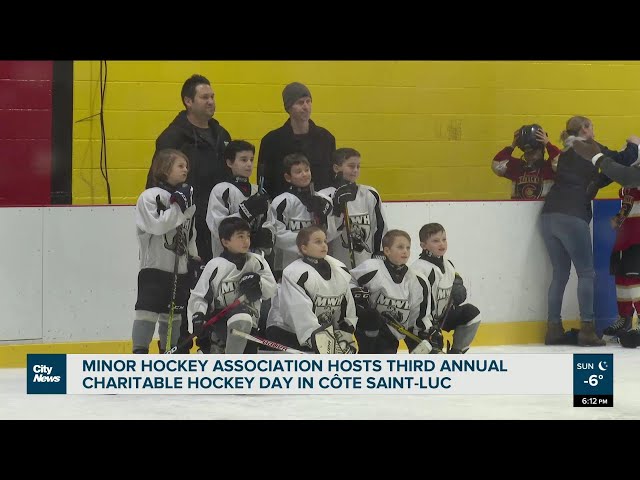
<point x="218" y="286"/>
<point x="156" y="223"/>
<point x="368" y="224"/>
<point x="440" y="274"/>
<point x="224" y="201"/>
<point x="306" y="300"/>
<point x="287" y="215"/>
<point x="406" y="298"/>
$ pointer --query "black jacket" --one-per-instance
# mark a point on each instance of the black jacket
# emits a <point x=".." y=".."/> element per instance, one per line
<point x="318" y="146"/>
<point x="577" y="182"/>
<point x="206" y="163"/>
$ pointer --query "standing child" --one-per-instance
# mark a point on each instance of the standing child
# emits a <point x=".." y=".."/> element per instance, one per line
<point x="317" y="311"/>
<point x="366" y="222"/>
<point x="531" y="176"/>
<point x="165" y="231"/>
<point x="295" y="209"/>
<point x="239" y="198"/>
<point x="447" y="289"/>
<point x="234" y="273"/>
<point x="395" y="292"/>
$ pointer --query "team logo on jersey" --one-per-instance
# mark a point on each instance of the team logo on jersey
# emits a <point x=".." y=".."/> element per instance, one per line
<point x="360" y="231"/>
<point x="297" y="225"/>
<point x="327" y="308"/>
<point x="442" y="298"/>
<point x="529" y="185"/>
<point x="396" y="307"/>
<point x="227" y="292"/>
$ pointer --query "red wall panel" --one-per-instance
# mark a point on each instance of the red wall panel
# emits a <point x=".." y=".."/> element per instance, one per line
<point x="25" y="132"/>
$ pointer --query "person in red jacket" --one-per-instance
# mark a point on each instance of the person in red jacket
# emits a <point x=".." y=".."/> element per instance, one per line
<point x="531" y="176"/>
<point x="625" y="260"/>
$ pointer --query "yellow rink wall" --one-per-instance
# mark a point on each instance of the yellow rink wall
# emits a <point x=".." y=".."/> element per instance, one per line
<point x="426" y="130"/>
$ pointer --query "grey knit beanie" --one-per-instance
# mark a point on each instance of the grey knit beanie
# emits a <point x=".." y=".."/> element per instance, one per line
<point x="292" y="93"/>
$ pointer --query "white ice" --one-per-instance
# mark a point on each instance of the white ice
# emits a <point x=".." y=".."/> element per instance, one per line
<point x="16" y="404"/>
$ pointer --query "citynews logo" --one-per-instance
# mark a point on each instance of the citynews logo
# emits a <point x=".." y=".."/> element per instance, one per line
<point x="43" y="374"/>
<point x="46" y="373"/>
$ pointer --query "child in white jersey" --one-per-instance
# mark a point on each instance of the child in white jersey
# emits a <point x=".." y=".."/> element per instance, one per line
<point x="314" y="300"/>
<point x="234" y="273"/>
<point x="394" y="293"/>
<point x="366" y="222"/>
<point x="165" y="234"/>
<point x="448" y="292"/>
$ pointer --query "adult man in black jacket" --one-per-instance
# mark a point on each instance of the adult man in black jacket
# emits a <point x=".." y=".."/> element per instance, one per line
<point x="203" y="140"/>
<point x="298" y="135"/>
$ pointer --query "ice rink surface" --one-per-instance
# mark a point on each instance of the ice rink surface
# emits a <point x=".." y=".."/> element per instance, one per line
<point x="16" y="404"/>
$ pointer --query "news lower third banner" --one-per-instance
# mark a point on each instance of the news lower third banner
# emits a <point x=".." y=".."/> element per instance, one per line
<point x="589" y="377"/>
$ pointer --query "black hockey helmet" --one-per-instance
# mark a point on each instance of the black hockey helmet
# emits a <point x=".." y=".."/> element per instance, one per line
<point x="527" y="139"/>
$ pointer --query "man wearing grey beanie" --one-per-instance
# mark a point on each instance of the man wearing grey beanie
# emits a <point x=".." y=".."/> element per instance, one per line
<point x="299" y="134"/>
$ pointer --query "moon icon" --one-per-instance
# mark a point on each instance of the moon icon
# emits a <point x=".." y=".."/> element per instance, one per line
<point x="601" y="367"/>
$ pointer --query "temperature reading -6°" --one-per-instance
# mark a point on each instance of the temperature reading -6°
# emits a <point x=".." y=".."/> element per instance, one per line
<point x="594" y="379"/>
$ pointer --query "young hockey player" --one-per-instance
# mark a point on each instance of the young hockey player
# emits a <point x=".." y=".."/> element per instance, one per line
<point x="362" y="231"/>
<point x="388" y="291"/>
<point x="295" y="209"/>
<point x="165" y="233"/>
<point x="448" y="292"/>
<point x="531" y="176"/>
<point x="239" y="198"/>
<point x="234" y="273"/>
<point x="316" y="311"/>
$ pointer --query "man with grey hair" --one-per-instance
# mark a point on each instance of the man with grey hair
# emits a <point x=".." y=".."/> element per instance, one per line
<point x="299" y="134"/>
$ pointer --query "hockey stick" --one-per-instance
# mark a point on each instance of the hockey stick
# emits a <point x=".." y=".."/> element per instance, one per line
<point x="259" y="220"/>
<point x="264" y="341"/>
<point x="179" y="250"/>
<point x="315" y="219"/>
<point x="445" y="312"/>
<point x="397" y="326"/>
<point x="347" y="226"/>
<point x="211" y="321"/>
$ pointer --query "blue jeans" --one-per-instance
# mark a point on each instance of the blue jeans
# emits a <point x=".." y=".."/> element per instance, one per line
<point x="568" y="239"/>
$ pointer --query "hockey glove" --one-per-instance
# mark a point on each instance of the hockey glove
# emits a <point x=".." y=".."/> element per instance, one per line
<point x="254" y="206"/>
<point x="434" y="337"/>
<point x="343" y="195"/>
<point x="263" y="238"/>
<point x="250" y="287"/>
<point x="458" y="291"/>
<point x="183" y="196"/>
<point x="369" y="319"/>
<point x="320" y="207"/>
<point x="361" y="297"/>
<point x="198" y="322"/>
